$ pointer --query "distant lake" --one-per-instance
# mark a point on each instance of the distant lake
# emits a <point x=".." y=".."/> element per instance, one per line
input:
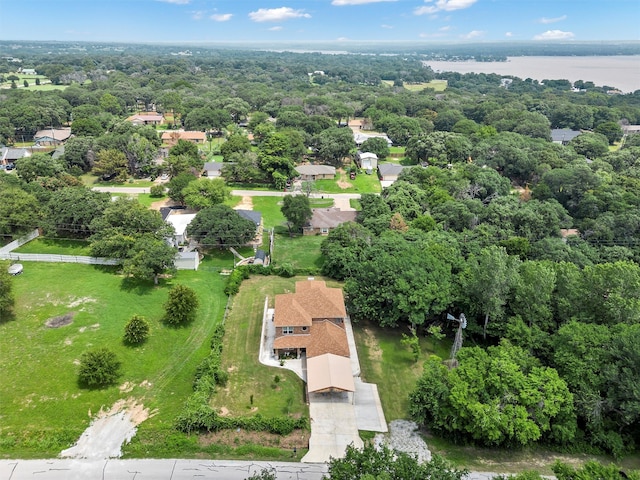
<point x="622" y="72"/>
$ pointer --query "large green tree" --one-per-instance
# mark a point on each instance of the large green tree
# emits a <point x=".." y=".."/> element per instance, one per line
<point x="297" y="210"/>
<point x="205" y="192"/>
<point x="221" y="226"/>
<point x="500" y="396"/>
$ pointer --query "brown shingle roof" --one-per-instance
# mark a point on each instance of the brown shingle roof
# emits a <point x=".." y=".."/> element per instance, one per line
<point x="327" y="337"/>
<point x="183" y="135"/>
<point x="312" y="299"/>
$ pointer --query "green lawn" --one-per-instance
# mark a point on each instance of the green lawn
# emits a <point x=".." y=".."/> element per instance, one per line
<point x="92" y="181"/>
<point x="43" y="409"/>
<point x="363" y="183"/>
<point x="55" y="247"/>
<point x="300" y="251"/>
<point x="389" y="364"/>
<point x="270" y="209"/>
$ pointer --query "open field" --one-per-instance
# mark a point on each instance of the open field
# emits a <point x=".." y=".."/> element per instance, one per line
<point x="43" y="409"/>
<point x="437" y="85"/>
<point x="363" y="183"/>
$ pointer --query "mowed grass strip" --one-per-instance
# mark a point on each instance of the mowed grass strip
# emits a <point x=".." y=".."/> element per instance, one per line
<point x="301" y="251"/>
<point x="363" y="183"/>
<point x="42" y="407"/>
<point x="252" y="387"/>
<point x="51" y="246"/>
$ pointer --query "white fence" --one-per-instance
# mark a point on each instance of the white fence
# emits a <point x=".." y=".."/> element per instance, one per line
<point x="19" y="242"/>
<point x="42" y="257"/>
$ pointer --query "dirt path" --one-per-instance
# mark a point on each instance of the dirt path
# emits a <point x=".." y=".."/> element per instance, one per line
<point x="245" y="204"/>
<point x="108" y="431"/>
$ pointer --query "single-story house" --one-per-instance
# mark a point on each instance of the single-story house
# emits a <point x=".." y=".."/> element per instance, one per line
<point x="310" y="321"/>
<point x="171" y="137"/>
<point x="630" y="129"/>
<point x="52" y="136"/>
<point x="28" y="71"/>
<point x="389" y="173"/>
<point x="316" y="172"/>
<point x="323" y="220"/>
<point x="563" y="135"/>
<point x="187" y="260"/>
<point x="212" y="169"/>
<point x="179" y="221"/>
<point x="367" y="160"/>
<point x="9" y="155"/>
<point x="149" y="118"/>
<point x="360" y="137"/>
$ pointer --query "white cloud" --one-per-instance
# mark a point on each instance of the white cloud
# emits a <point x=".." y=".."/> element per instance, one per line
<point x="446" y="28"/>
<point x="340" y="3"/>
<point x="197" y="15"/>
<point x="277" y="14"/>
<point x="546" y="20"/>
<point x="443" y="5"/>
<point x="386" y="26"/>
<point x="221" y="17"/>
<point x="554" y="35"/>
<point x="176" y="2"/>
<point x="508" y="34"/>
<point x="431" y="35"/>
<point x="473" y="34"/>
<point x="342" y="39"/>
<point x="275" y="29"/>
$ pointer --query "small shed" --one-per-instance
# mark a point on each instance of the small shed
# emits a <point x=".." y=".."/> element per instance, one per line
<point x="187" y="260"/>
<point x="367" y="160"/>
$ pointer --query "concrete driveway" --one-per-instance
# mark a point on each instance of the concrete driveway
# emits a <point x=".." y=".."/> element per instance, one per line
<point x="333" y="426"/>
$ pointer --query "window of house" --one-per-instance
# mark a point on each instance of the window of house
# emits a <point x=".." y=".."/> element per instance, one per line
<point x="324" y="230"/>
<point x="287" y="330"/>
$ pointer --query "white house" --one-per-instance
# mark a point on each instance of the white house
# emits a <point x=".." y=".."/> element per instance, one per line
<point x="179" y="221"/>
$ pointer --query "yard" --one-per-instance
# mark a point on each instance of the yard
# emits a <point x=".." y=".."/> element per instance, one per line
<point x="43" y="409"/>
<point x="363" y="183"/>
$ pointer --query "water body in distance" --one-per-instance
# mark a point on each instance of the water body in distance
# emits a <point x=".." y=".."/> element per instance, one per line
<point x="621" y="72"/>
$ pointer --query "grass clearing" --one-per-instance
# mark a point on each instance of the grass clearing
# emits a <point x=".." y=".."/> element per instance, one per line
<point x="43" y="409"/>
<point x="301" y="251"/>
<point x="436" y="85"/>
<point x="363" y="183"/>
<point x="56" y="247"/>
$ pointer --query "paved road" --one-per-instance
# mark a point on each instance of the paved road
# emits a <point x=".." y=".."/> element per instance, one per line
<point x="164" y="470"/>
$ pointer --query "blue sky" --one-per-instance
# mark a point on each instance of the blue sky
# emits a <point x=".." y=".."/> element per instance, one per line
<point x="446" y="21"/>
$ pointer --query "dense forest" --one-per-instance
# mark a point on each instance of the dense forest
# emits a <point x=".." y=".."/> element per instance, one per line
<point x="536" y="242"/>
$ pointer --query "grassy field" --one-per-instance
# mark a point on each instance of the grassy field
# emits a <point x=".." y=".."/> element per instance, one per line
<point x="43" y="409"/>
<point x="363" y="183"/>
<point x="55" y="247"/>
<point x="436" y="85"/>
<point x="389" y="364"/>
<point x="300" y="251"/>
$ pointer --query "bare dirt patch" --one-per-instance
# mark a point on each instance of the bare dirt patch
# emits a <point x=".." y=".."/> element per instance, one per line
<point x="60" y="320"/>
<point x="374" y="350"/>
<point x="234" y="438"/>
<point x="165" y="202"/>
<point x="342" y="182"/>
<point x="79" y="301"/>
<point x="245" y="204"/>
<point x="109" y="430"/>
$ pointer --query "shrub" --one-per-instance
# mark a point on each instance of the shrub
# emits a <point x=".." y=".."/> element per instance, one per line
<point x="181" y="306"/>
<point x="235" y="280"/>
<point x="136" y="331"/>
<point x="157" y="191"/>
<point x="99" y="368"/>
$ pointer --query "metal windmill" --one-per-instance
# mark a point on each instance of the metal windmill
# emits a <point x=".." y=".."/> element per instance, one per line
<point x="457" y="342"/>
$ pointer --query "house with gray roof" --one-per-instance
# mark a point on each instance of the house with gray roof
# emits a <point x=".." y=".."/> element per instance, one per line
<point x="212" y="169"/>
<point x="9" y="155"/>
<point x="389" y="173"/>
<point x="563" y="135"/>
<point x="323" y="220"/>
<point x="316" y="172"/>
